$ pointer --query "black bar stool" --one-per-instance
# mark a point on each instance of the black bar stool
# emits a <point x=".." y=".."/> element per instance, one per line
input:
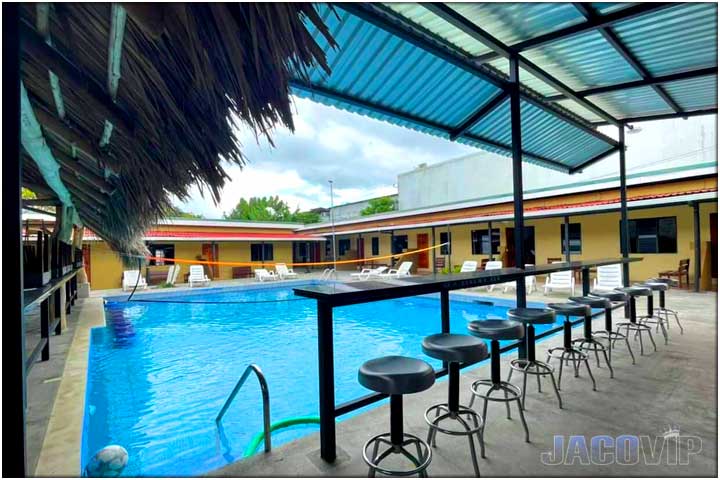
<point x="638" y="328"/>
<point x="662" y="310"/>
<point x="496" y="330"/>
<point x="397" y="376"/>
<point x="653" y="318"/>
<point x="530" y="365"/>
<point x="455" y="349"/>
<point x="588" y="343"/>
<point x="609" y="333"/>
<point x="568" y="353"/>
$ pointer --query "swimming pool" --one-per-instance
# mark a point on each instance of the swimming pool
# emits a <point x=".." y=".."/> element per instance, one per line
<point x="159" y="373"/>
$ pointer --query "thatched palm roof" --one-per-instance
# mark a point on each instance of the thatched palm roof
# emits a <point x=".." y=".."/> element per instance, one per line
<point x="137" y="105"/>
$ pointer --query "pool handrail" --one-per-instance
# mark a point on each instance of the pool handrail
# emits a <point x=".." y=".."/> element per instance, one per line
<point x="265" y="399"/>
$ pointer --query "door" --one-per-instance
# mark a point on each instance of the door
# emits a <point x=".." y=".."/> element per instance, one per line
<point x="360" y="248"/>
<point x="714" y="243"/>
<point x="86" y="260"/>
<point x="528" y="246"/>
<point x="210" y="251"/>
<point x="423" y="257"/>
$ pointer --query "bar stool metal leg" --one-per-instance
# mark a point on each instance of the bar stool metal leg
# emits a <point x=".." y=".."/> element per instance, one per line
<point x="634" y="326"/>
<point x="531" y="366"/>
<point x="588" y="343"/>
<point x="568" y="352"/>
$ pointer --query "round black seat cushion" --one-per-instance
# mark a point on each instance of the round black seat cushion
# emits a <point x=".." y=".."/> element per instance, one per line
<point x="396" y="375"/>
<point x="612" y="296"/>
<point x="534" y="316"/>
<point x="497" y="329"/>
<point x="654" y="286"/>
<point x="453" y="347"/>
<point x="574" y="309"/>
<point x="636" y="291"/>
<point x="592" y="302"/>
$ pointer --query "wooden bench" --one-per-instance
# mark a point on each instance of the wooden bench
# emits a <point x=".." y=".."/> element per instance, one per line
<point x="242" y="272"/>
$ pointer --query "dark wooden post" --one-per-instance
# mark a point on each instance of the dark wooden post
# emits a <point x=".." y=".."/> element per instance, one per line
<point x="624" y="229"/>
<point x="326" y="373"/>
<point x="698" y="247"/>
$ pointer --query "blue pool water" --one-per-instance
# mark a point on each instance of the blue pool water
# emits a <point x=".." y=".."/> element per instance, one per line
<point x="160" y="372"/>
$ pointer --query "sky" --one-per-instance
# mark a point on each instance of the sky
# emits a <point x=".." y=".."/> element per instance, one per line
<point x="362" y="156"/>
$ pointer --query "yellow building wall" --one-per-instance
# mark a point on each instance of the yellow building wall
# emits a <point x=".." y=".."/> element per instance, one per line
<point x="106" y="268"/>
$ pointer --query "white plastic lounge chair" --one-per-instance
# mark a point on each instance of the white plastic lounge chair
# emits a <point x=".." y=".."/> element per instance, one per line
<point x="176" y="274"/>
<point x="262" y="274"/>
<point x="366" y="273"/>
<point x="530" y="282"/>
<point x="609" y="277"/>
<point x="493" y="265"/>
<point x="284" y="272"/>
<point x="197" y="276"/>
<point x="468" y="266"/>
<point x="402" y="271"/>
<point x="560" y="281"/>
<point x="130" y="278"/>
<point x="172" y="274"/>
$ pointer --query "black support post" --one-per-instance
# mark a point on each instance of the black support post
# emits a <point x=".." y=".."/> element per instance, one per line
<point x="585" y="281"/>
<point x="624" y="230"/>
<point x="326" y="373"/>
<point x="13" y="327"/>
<point x="698" y="247"/>
<point x="566" y="238"/>
<point x="490" y="235"/>
<point x="445" y="310"/>
<point x="434" y="251"/>
<point x="517" y="177"/>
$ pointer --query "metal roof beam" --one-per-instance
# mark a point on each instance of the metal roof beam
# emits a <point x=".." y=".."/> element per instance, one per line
<point x="406" y="117"/>
<point x="665" y="116"/>
<point x="611" y="37"/>
<point x="646" y="82"/>
<point x="478" y="115"/>
<point x="596" y="158"/>
<point x="567" y="32"/>
<point x="470" y="28"/>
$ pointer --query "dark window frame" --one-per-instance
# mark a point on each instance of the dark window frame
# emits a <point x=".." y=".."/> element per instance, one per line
<point x="446" y="237"/>
<point x="167" y="248"/>
<point x="478" y="245"/>
<point x="400" y="241"/>
<point x="258" y="249"/>
<point x="578" y="238"/>
<point x="375" y="246"/>
<point x="344" y="244"/>
<point x="652" y="227"/>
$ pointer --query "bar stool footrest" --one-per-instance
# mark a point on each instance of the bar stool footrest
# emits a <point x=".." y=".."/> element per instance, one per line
<point x="421" y="461"/>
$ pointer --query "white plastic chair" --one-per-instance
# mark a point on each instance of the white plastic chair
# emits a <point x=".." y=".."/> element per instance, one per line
<point x="197" y="276"/>
<point x="172" y="274"/>
<point x="530" y="282"/>
<point x="130" y="279"/>
<point x="468" y="266"/>
<point x="262" y="274"/>
<point x="560" y="281"/>
<point x="366" y="273"/>
<point x="284" y="272"/>
<point x="609" y="277"/>
<point x="402" y="271"/>
<point x="493" y="265"/>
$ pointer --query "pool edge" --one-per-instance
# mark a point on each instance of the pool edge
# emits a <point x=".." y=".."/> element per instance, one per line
<point x="61" y="447"/>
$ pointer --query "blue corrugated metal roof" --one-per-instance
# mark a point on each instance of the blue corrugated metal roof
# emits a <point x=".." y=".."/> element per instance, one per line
<point x="404" y="64"/>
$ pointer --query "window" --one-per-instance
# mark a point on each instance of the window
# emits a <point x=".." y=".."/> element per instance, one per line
<point x="575" y="238"/>
<point x="399" y="243"/>
<point x="652" y="235"/>
<point x="261" y="251"/>
<point x="375" y="245"/>
<point x="161" y="250"/>
<point x="343" y="246"/>
<point x="481" y="242"/>
<point x="445" y="237"/>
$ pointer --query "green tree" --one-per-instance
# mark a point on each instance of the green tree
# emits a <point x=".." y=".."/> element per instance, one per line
<point x="306" y="217"/>
<point x="177" y="213"/>
<point x="378" y="205"/>
<point x="268" y="209"/>
<point x="28" y="194"/>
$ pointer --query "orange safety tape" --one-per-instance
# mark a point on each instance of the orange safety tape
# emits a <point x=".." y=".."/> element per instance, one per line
<point x="295" y="264"/>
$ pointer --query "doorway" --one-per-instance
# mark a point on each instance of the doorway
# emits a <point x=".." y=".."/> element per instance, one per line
<point x="528" y="246"/>
<point x="86" y="261"/>
<point x="360" y="248"/>
<point x="210" y="251"/>
<point x="423" y="257"/>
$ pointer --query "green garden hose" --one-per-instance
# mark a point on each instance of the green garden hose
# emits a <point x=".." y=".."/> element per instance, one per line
<point x="288" y="422"/>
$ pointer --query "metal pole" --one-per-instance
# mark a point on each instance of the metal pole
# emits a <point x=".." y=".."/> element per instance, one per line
<point x="445" y="315"/>
<point x="332" y="226"/>
<point x="517" y="177"/>
<point x="624" y="229"/>
<point x="566" y="238"/>
<point x="449" y="250"/>
<point x="14" y="446"/>
<point x="326" y="376"/>
<point x="698" y="250"/>
<point x="434" y="250"/>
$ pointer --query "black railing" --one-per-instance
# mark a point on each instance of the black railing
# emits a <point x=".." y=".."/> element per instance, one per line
<point x="343" y="294"/>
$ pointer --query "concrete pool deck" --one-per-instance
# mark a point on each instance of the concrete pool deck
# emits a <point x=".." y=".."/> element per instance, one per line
<point x="675" y="387"/>
<point x="638" y="396"/>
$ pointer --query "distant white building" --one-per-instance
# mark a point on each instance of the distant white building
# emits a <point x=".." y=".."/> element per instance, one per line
<point x="347" y="211"/>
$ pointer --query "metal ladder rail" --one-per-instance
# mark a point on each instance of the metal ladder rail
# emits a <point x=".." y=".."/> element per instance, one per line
<point x="265" y="399"/>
